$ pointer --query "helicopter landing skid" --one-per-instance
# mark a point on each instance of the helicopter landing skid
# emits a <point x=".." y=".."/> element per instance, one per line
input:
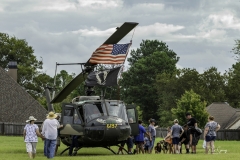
<point x="74" y="151"/>
<point x="123" y="149"/>
<point x="110" y="150"/>
<point x="64" y="150"/>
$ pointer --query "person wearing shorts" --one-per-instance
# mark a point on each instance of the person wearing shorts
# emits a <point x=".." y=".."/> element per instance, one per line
<point x="30" y="133"/>
<point x="130" y="144"/>
<point x="176" y="132"/>
<point x="139" y="139"/>
<point x="194" y="137"/>
<point x="184" y="139"/>
<point x="210" y="133"/>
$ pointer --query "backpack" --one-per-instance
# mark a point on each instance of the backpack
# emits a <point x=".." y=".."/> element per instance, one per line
<point x="198" y="131"/>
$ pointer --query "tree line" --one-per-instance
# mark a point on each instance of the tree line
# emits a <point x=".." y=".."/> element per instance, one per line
<point x="152" y="81"/>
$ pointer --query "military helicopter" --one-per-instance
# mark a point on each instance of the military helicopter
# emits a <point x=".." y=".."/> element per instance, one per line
<point x="97" y="121"/>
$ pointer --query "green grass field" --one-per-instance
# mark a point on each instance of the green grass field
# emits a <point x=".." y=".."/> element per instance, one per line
<point x="14" y="148"/>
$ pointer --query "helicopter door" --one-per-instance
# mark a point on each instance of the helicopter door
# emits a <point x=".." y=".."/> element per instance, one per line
<point x="133" y="119"/>
<point x="71" y="120"/>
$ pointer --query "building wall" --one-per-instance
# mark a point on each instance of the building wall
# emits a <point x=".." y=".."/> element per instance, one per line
<point x="235" y="125"/>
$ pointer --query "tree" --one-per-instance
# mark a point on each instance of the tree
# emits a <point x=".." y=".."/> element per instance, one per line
<point x="138" y="83"/>
<point x="236" y="49"/>
<point x="191" y="102"/>
<point x="233" y="86"/>
<point x="211" y="86"/>
<point x="13" y="49"/>
<point x="170" y="88"/>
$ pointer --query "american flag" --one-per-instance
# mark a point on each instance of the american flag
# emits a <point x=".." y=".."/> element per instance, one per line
<point x="110" y="54"/>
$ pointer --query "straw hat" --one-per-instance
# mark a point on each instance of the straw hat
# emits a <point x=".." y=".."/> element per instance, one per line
<point x="31" y="118"/>
<point x="51" y="115"/>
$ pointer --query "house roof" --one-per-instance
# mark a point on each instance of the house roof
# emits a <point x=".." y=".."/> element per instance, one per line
<point x="224" y="114"/>
<point x="16" y="105"/>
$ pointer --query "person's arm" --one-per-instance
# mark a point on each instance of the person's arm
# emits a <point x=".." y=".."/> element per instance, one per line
<point x="24" y="133"/>
<point x="168" y="136"/>
<point x="156" y="127"/>
<point x="181" y="133"/>
<point x="39" y="134"/>
<point x="218" y="127"/>
<point x="195" y="124"/>
<point x="58" y="125"/>
<point x="205" y="132"/>
<point x="182" y="140"/>
<point x="149" y="133"/>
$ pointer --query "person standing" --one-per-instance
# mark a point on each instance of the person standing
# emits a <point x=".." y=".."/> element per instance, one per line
<point x="30" y="133"/>
<point x="152" y="134"/>
<point x="194" y="137"/>
<point x="210" y="133"/>
<point x="50" y="132"/>
<point x="58" y="138"/>
<point x="176" y="132"/>
<point x="139" y="139"/>
<point x="184" y="139"/>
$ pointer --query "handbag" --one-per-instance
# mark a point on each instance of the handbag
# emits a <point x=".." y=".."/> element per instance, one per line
<point x="204" y="144"/>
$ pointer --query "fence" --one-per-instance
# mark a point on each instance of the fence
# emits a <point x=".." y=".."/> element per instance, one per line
<point x="12" y="129"/>
<point x="16" y="129"/>
<point x="223" y="134"/>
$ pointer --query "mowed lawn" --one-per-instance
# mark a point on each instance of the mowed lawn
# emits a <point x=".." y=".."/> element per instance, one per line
<point x="14" y="148"/>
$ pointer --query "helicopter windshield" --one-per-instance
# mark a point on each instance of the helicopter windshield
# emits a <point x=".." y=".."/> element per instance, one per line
<point x="117" y="110"/>
<point x="93" y="111"/>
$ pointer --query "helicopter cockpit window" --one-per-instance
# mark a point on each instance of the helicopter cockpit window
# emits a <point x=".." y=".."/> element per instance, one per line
<point x="131" y="116"/>
<point x="68" y="112"/>
<point x="68" y="116"/>
<point x="117" y="110"/>
<point x="93" y="111"/>
<point x="76" y="119"/>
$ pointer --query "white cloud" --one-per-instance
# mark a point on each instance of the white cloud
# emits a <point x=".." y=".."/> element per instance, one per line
<point x="225" y="20"/>
<point x="70" y="30"/>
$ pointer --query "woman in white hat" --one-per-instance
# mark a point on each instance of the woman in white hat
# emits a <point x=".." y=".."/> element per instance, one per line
<point x="30" y="134"/>
<point x="50" y="132"/>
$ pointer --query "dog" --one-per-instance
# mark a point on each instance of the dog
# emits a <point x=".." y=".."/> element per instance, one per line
<point x="166" y="147"/>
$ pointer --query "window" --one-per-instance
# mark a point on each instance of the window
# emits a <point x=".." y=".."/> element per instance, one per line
<point x="131" y="115"/>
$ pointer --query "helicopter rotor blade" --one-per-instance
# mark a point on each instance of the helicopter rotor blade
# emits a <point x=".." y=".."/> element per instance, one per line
<point x="118" y="35"/>
<point x="69" y="88"/>
<point x="121" y="32"/>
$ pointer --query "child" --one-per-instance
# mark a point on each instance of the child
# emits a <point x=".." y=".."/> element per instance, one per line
<point x="158" y="148"/>
<point x="146" y="143"/>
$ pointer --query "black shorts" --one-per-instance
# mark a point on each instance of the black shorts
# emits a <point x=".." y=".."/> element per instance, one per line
<point x="175" y="140"/>
<point x="195" y="140"/>
<point x="186" y="142"/>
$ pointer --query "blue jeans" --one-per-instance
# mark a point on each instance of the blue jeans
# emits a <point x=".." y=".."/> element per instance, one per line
<point x="45" y="148"/>
<point x="151" y="143"/>
<point x="49" y="147"/>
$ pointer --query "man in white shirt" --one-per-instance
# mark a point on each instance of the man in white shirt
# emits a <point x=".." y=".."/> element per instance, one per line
<point x="49" y="131"/>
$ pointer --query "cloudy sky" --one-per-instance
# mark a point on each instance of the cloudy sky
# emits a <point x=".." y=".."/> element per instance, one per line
<point x="202" y="32"/>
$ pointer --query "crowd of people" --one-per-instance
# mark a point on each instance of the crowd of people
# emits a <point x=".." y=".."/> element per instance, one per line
<point x="177" y="136"/>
